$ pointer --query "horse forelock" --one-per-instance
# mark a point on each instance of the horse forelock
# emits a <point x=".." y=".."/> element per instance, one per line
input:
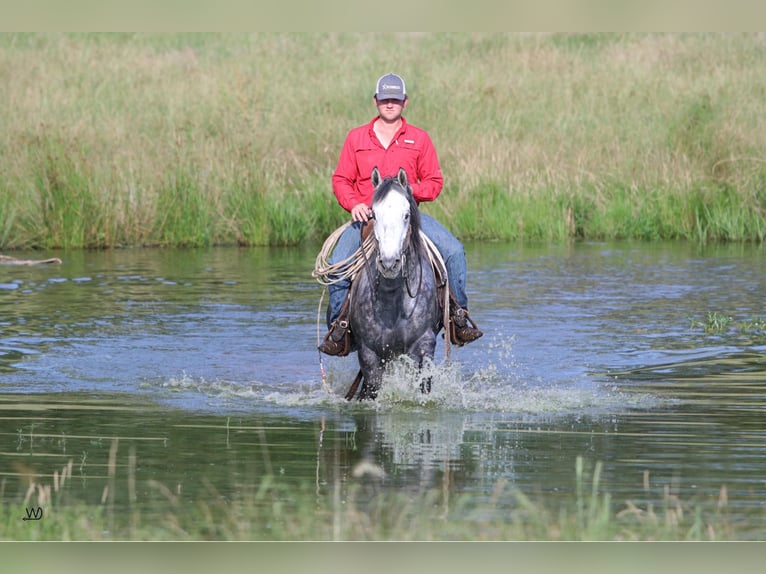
<point x="384" y="188"/>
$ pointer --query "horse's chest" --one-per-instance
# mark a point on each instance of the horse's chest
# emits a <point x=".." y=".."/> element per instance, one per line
<point x="392" y="341"/>
<point x="384" y="321"/>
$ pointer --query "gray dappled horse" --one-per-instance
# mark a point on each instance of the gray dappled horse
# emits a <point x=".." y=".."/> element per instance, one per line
<point x="393" y="309"/>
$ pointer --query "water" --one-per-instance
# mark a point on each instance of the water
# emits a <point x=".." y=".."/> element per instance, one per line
<point x="202" y="363"/>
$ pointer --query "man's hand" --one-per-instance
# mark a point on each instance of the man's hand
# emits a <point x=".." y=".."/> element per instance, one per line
<point x="361" y="212"/>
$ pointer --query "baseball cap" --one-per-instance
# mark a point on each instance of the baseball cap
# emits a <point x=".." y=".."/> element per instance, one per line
<point x="390" y="87"/>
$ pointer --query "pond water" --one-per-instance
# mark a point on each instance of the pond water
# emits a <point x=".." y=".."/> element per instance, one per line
<point x="203" y="364"/>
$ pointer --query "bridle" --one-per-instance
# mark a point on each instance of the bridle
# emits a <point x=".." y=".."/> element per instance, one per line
<point x="405" y="267"/>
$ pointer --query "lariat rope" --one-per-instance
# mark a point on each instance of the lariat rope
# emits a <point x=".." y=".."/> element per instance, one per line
<point x="327" y="273"/>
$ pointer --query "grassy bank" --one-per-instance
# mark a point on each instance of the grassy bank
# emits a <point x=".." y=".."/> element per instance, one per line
<point x="207" y="139"/>
<point x="356" y="511"/>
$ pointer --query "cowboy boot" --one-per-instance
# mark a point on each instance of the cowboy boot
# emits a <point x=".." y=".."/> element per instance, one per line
<point x="337" y="341"/>
<point x="462" y="328"/>
<point x="461" y="332"/>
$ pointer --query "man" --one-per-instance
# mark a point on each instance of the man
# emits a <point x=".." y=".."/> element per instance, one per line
<point x="388" y="142"/>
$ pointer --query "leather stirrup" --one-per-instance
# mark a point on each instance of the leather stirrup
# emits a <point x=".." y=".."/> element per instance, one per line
<point x="337" y="341"/>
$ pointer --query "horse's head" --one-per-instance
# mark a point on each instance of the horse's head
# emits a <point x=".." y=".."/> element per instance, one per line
<point x="396" y="218"/>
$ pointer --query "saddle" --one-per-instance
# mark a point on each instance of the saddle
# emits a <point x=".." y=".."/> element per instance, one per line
<point x="367" y="228"/>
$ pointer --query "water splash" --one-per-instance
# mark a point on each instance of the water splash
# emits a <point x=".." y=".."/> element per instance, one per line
<point x="200" y="393"/>
<point x="500" y="385"/>
<point x="491" y="389"/>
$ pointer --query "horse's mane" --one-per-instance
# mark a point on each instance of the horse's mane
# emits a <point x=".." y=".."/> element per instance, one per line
<point x="382" y="191"/>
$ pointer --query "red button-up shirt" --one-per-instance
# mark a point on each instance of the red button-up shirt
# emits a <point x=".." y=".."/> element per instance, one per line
<point x="411" y="149"/>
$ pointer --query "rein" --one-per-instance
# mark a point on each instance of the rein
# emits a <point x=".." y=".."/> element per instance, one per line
<point x="405" y="268"/>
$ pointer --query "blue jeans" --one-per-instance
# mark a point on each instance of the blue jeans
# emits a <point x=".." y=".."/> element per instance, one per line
<point x="448" y="245"/>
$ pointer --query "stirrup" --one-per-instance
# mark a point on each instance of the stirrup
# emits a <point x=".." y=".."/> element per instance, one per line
<point x="462" y="328"/>
<point x="337" y="341"/>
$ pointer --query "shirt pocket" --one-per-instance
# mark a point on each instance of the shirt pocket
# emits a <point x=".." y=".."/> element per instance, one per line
<point x="366" y="160"/>
<point x="406" y="156"/>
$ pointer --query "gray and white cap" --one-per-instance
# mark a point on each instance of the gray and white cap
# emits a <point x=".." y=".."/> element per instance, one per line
<point x="390" y="87"/>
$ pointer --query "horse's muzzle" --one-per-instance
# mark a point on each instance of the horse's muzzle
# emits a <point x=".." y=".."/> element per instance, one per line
<point x="390" y="267"/>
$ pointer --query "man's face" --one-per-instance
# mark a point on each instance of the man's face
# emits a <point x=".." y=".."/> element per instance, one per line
<point x="390" y="109"/>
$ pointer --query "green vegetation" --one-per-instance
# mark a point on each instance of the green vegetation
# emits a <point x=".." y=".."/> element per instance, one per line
<point x="273" y="510"/>
<point x="202" y="139"/>
<point x="716" y="323"/>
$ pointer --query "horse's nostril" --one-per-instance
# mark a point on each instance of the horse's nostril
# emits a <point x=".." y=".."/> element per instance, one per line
<point x="389" y="264"/>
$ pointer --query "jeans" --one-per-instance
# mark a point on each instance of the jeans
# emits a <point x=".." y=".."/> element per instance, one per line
<point x="448" y="245"/>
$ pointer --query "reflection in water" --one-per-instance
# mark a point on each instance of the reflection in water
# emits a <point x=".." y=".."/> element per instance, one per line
<point x="202" y="364"/>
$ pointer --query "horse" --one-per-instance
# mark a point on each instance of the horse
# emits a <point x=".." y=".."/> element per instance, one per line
<point x="393" y="308"/>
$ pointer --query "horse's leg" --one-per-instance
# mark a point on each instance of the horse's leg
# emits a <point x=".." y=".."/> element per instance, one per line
<point x="372" y="370"/>
<point x="354" y="386"/>
<point x="425" y="385"/>
<point x="422" y="348"/>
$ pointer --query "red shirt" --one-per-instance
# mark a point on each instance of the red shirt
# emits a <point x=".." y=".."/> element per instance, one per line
<point x="411" y="149"/>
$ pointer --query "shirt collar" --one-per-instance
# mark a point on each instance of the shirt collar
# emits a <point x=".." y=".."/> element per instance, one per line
<point x="402" y="129"/>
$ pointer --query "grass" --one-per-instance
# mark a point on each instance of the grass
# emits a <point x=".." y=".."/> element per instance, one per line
<point x="203" y="139"/>
<point x="720" y="324"/>
<point x="271" y="509"/>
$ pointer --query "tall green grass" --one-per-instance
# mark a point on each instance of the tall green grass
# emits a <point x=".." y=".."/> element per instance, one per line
<point x="270" y="508"/>
<point x="201" y="139"/>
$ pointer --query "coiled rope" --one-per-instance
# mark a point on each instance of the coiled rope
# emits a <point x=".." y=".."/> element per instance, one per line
<point x="327" y="273"/>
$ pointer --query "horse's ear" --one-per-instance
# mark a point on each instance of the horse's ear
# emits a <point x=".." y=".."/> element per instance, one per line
<point x="375" y="177"/>
<point x="402" y="177"/>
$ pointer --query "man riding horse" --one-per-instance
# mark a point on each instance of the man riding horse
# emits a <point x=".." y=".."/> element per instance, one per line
<point x="389" y="143"/>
